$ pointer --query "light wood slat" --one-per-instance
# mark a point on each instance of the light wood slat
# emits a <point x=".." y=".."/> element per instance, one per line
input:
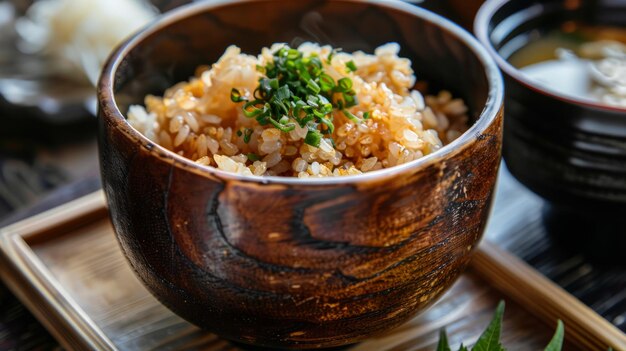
<point x="546" y="299"/>
<point x="34" y="284"/>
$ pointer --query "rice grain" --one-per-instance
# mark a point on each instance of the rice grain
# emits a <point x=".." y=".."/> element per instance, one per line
<point x="196" y="119"/>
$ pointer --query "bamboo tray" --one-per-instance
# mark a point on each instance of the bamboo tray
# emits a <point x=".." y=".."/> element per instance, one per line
<point x="66" y="266"/>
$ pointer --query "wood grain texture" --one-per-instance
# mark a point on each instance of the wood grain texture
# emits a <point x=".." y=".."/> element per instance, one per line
<point x="36" y="286"/>
<point x="283" y="263"/>
<point x="86" y="293"/>
<point x="89" y="265"/>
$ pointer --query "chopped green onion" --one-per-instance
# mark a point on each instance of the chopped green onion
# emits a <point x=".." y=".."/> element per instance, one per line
<point x="344" y="84"/>
<point x="327" y="83"/>
<point x="350" y="66"/>
<point x="329" y="125"/>
<point x="239" y="133"/>
<point x="282" y="127"/>
<point x="282" y="93"/>
<point x="298" y="107"/>
<point x="254" y="111"/>
<point x="327" y="108"/>
<point x="312" y="100"/>
<point x="367" y="115"/>
<point x="246" y="135"/>
<point x="315" y="62"/>
<point x="313" y="138"/>
<point x="329" y="59"/>
<point x="273" y="83"/>
<point x="258" y="94"/>
<point x="313" y="86"/>
<point x="293" y="54"/>
<point x="295" y="89"/>
<point x="350" y="100"/>
<point x="351" y="116"/>
<point x="266" y="87"/>
<point x="235" y="96"/>
<point x="253" y="157"/>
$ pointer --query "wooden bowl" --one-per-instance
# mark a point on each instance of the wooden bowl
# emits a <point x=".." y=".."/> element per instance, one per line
<point x="569" y="151"/>
<point x="284" y="262"/>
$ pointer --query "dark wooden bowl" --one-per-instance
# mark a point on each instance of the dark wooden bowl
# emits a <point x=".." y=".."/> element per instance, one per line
<point x="284" y="262"/>
<point x="571" y="152"/>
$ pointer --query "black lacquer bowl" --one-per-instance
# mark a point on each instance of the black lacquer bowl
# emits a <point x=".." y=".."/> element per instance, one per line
<point x="572" y="153"/>
<point x="284" y="262"/>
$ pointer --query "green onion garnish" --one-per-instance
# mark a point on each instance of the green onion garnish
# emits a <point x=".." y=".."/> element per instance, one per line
<point x="313" y="138"/>
<point x="246" y="135"/>
<point x="350" y="66"/>
<point x="251" y="110"/>
<point x="351" y="116"/>
<point x="329" y="59"/>
<point x="344" y="85"/>
<point x="235" y="96"/>
<point x="295" y="89"/>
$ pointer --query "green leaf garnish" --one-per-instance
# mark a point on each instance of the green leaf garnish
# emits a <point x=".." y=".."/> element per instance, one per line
<point x="443" y="341"/>
<point x="490" y="338"/>
<point x="295" y="89"/>
<point x="557" y="340"/>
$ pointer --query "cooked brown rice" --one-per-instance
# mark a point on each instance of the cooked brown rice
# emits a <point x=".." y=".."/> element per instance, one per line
<point x="197" y="119"/>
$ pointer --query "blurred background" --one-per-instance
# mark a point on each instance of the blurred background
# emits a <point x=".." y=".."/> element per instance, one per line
<point x="51" y="52"/>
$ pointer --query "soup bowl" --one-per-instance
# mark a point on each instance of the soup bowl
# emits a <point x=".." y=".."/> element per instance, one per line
<point x="571" y="151"/>
<point x="285" y="262"/>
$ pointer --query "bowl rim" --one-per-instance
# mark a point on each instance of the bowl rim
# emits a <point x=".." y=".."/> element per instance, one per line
<point x="481" y="29"/>
<point x="111" y="114"/>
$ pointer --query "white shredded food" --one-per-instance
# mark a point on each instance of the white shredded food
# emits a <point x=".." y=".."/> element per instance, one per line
<point x="80" y="34"/>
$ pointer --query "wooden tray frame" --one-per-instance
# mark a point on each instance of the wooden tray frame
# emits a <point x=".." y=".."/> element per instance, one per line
<point x="35" y="285"/>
